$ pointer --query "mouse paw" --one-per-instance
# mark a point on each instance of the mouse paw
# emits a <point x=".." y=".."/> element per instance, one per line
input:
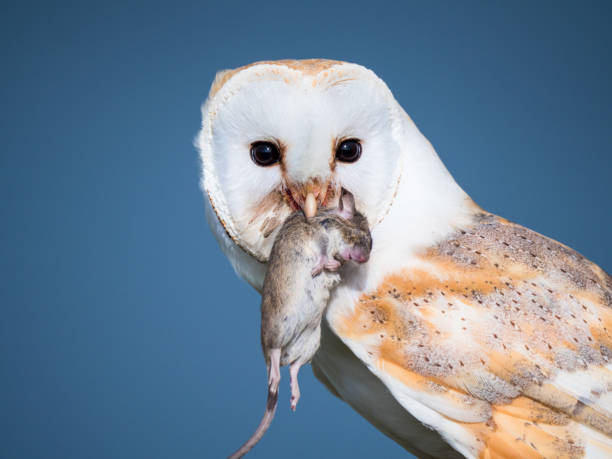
<point x="332" y="265"/>
<point x="318" y="267"/>
<point x="294" y="400"/>
<point x="316" y="271"/>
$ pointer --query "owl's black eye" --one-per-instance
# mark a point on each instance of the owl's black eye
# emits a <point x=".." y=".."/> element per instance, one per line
<point x="348" y="151"/>
<point x="264" y="153"/>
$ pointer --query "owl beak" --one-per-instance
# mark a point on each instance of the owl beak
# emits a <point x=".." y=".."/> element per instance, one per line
<point x="309" y="196"/>
<point x="310" y="205"/>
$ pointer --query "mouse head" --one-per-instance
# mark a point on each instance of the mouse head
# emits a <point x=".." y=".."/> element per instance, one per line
<point x="358" y="247"/>
<point x="356" y="232"/>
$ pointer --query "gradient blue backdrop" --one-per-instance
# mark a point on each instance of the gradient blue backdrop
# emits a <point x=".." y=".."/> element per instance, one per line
<point x="124" y="332"/>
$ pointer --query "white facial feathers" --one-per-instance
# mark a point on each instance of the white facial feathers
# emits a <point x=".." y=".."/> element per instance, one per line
<point x="307" y="108"/>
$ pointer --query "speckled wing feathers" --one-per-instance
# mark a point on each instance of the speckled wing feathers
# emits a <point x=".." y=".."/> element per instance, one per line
<point x="499" y="338"/>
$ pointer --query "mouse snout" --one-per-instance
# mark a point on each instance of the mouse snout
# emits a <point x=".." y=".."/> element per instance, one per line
<point x="359" y="255"/>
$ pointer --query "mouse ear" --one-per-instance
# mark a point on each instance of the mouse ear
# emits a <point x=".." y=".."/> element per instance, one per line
<point x="346" y="205"/>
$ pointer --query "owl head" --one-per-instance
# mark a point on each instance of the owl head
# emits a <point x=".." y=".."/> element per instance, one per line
<point x="286" y="135"/>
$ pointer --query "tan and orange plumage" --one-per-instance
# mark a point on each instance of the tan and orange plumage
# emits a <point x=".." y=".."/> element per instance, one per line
<point x="502" y="331"/>
<point x="464" y="334"/>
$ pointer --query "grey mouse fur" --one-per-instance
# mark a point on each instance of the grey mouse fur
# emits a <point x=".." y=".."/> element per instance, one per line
<point x="302" y="270"/>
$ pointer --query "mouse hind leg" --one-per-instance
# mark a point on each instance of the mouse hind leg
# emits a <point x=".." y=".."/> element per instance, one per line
<point x="274" y="371"/>
<point x="295" y="388"/>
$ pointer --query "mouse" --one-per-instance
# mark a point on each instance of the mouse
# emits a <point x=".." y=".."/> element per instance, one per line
<point x="302" y="270"/>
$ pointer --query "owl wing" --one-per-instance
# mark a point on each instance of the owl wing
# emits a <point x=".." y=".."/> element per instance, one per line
<point x="498" y="338"/>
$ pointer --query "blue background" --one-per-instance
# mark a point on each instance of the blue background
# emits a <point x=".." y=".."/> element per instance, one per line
<point x="124" y="332"/>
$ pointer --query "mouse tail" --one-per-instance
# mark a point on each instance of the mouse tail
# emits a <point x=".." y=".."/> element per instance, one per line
<point x="263" y="425"/>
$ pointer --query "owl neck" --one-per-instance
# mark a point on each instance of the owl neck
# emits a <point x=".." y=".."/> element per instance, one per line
<point x="428" y="207"/>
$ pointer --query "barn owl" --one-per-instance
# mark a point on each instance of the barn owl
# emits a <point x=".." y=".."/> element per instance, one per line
<point x="465" y="334"/>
